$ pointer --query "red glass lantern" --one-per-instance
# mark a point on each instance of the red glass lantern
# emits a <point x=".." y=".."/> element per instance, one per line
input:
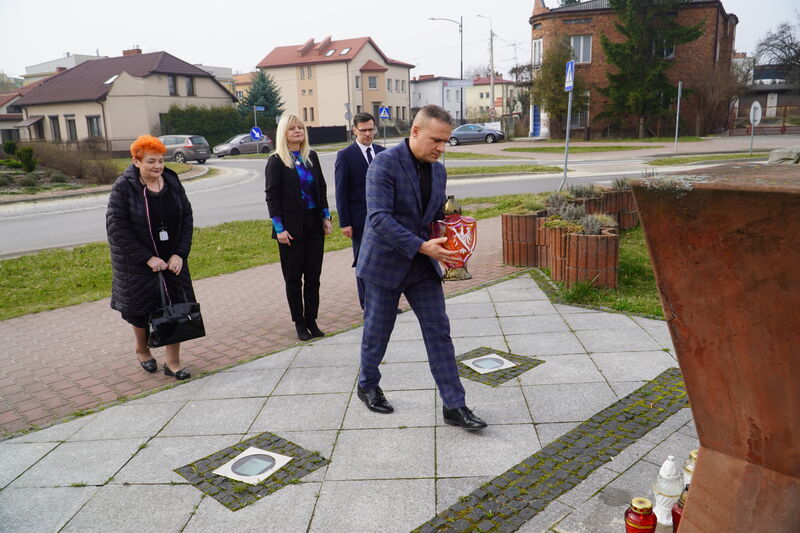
<point x="462" y="236"/>
<point x="639" y="518"/>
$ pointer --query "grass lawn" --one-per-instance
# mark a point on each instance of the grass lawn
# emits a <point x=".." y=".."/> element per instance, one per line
<point x="578" y="149"/>
<point x="686" y="139"/>
<point x="473" y="155"/>
<point x="703" y="158"/>
<point x="58" y="278"/>
<point x="179" y="168"/>
<point x="501" y="169"/>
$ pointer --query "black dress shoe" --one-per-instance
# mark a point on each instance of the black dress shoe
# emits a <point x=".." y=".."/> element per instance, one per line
<point x="375" y="400"/>
<point x="313" y="329"/>
<point x="302" y="331"/>
<point x="180" y="375"/>
<point x="150" y="365"/>
<point x="462" y="417"/>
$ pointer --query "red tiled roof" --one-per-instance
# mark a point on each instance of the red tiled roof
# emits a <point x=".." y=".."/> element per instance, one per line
<point x="86" y="81"/>
<point x="486" y="81"/>
<point x="7" y="97"/>
<point x="311" y="53"/>
<point x="371" y="66"/>
<point x="239" y="79"/>
<point x="16" y="117"/>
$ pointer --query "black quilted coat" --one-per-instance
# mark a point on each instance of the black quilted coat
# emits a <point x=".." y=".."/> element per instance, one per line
<point x="134" y="289"/>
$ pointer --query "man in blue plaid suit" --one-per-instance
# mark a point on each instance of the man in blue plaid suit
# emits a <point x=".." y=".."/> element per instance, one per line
<point x="405" y="193"/>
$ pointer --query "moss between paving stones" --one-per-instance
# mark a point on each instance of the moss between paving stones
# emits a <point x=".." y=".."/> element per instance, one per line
<point x="516" y="496"/>
<point x="234" y="494"/>
<point x="497" y="378"/>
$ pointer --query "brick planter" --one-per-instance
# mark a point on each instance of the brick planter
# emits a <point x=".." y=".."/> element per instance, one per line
<point x="593" y="206"/>
<point x="556" y="241"/>
<point x="520" y="238"/>
<point x="593" y="258"/>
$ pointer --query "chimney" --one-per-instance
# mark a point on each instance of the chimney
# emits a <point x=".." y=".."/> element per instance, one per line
<point x="323" y="46"/>
<point x="305" y="47"/>
<point x="60" y="69"/>
<point x="539" y="8"/>
<point x="132" y="52"/>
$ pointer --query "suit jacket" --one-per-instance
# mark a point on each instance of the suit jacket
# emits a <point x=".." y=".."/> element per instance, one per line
<point x="351" y="177"/>
<point x="283" y="193"/>
<point x="397" y="223"/>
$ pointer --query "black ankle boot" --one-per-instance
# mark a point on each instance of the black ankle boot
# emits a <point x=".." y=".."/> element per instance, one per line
<point x="302" y="331"/>
<point x="314" y="329"/>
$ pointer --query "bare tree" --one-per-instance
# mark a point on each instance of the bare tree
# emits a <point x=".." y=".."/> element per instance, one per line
<point x="713" y="94"/>
<point x="782" y="47"/>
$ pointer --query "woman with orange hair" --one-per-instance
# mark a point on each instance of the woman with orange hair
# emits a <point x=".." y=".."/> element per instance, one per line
<point x="149" y="227"/>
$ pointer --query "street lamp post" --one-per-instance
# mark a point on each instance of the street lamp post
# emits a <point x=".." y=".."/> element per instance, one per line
<point x="460" y="23"/>
<point x="492" y="111"/>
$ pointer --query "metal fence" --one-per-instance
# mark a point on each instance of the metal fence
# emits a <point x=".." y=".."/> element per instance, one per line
<point x="775" y="120"/>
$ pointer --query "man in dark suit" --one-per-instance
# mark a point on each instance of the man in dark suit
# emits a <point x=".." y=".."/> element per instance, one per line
<point x="351" y="176"/>
<point x="405" y="193"/>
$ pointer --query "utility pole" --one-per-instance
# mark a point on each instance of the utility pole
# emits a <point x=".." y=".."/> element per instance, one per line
<point x="460" y="23"/>
<point x="492" y="112"/>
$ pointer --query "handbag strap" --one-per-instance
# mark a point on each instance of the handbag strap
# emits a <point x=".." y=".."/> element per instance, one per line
<point x="162" y="284"/>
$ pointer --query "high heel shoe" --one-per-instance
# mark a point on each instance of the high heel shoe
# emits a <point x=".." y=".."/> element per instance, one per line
<point x="314" y="329"/>
<point x="180" y="375"/>
<point x="150" y="365"/>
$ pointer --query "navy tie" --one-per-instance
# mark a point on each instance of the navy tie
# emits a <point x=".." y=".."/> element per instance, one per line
<point x="369" y="155"/>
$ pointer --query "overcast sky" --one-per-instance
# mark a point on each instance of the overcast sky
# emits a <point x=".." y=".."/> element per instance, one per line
<point x="239" y="34"/>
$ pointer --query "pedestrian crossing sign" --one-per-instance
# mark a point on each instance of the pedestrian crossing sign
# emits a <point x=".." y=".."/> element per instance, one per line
<point x="569" y="79"/>
<point x="384" y="112"/>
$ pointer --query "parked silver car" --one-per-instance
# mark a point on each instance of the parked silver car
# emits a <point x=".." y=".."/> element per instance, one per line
<point x="475" y="133"/>
<point x="183" y="148"/>
<point x="243" y="144"/>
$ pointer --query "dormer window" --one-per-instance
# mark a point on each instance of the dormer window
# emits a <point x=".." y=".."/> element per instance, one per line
<point x="111" y="80"/>
<point x="344" y="52"/>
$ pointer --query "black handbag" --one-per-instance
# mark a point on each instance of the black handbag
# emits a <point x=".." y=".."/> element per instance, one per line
<point x="174" y="322"/>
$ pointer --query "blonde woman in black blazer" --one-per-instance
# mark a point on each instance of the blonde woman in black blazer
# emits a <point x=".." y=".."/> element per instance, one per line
<point x="298" y="206"/>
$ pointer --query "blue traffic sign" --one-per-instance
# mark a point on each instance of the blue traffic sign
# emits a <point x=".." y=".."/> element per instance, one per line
<point x="569" y="79"/>
<point x="255" y="133"/>
<point x="259" y="108"/>
<point x="385" y="112"/>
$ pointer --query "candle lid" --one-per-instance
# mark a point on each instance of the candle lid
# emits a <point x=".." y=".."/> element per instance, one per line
<point x="641" y="505"/>
<point x="693" y="455"/>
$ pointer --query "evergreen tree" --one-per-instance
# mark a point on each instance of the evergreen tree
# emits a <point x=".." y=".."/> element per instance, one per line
<point x="548" y="87"/>
<point x="265" y="93"/>
<point x="569" y="2"/>
<point x="638" y="88"/>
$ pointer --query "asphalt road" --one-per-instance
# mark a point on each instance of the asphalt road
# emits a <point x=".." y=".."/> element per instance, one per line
<point x="237" y="193"/>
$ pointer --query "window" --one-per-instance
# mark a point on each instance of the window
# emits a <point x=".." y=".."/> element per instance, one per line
<point x="173" y="85"/>
<point x="303" y="92"/>
<point x="239" y="94"/>
<point x="93" y="125"/>
<point x="310" y="92"/>
<point x="358" y="82"/>
<point x="404" y="112"/>
<point x="669" y="52"/>
<point x="580" y="119"/>
<point x="189" y="86"/>
<point x="388" y="84"/>
<point x="330" y="52"/>
<point x="447" y="92"/>
<point x="536" y="55"/>
<point x="302" y="73"/>
<point x="403" y="86"/>
<point x="305" y="114"/>
<point x="537" y="26"/>
<point x="577" y="21"/>
<point x="358" y="109"/>
<point x="397" y="85"/>
<point x="372" y="82"/>
<point x="55" y="127"/>
<point x="72" y="130"/>
<point x="581" y="48"/>
<point x="344" y="52"/>
<point x="309" y="71"/>
<point x="397" y="112"/>
<point x="376" y="109"/>
<point x="311" y="113"/>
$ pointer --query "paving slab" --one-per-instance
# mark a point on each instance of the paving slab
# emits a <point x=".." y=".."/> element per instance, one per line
<point x="582" y="321"/>
<point x="392" y="453"/>
<point x="288" y="510"/>
<point x="633" y="366"/>
<point x="621" y="340"/>
<point x="517" y="325"/>
<point x="78" y="463"/>
<point x="313" y="355"/>
<point x="276" y="360"/>
<point x="127" y="421"/>
<point x="567" y="368"/>
<point x="485" y="452"/>
<point x="136" y="508"/>
<point x="41" y="509"/>
<point x="548" y="432"/>
<point x="540" y="344"/>
<point x="567" y="402"/>
<point x="257" y="383"/>
<point x="450" y="490"/>
<point x="214" y="417"/>
<point x="301" y="412"/>
<point x="15" y="458"/>
<point x="470" y="310"/>
<point x="413" y="408"/>
<point x="314" y="380"/>
<point x="524" y="308"/>
<point x="381" y="506"/>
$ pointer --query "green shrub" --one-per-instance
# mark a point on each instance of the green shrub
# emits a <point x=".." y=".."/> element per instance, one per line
<point x="621" y="184"/>
<point x="56" y="176"/>
<point x="572" y="212"/>
<point x="554" y="202"/>
<point x="582" y="191"/>
<point x="25" y="155"/>
<point x="100" y="172"/>
<point x="10" y="147"/>
<point x="28" y="180"/>
<point x="591" y="225"/>
<point x="10" y="163"/>
<point x="5" y="181"/>
<point x="607" y="221"/>
<point x="571" y="227"/>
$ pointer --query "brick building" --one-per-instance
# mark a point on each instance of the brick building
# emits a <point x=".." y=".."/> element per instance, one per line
<point x="696" y="64"/>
